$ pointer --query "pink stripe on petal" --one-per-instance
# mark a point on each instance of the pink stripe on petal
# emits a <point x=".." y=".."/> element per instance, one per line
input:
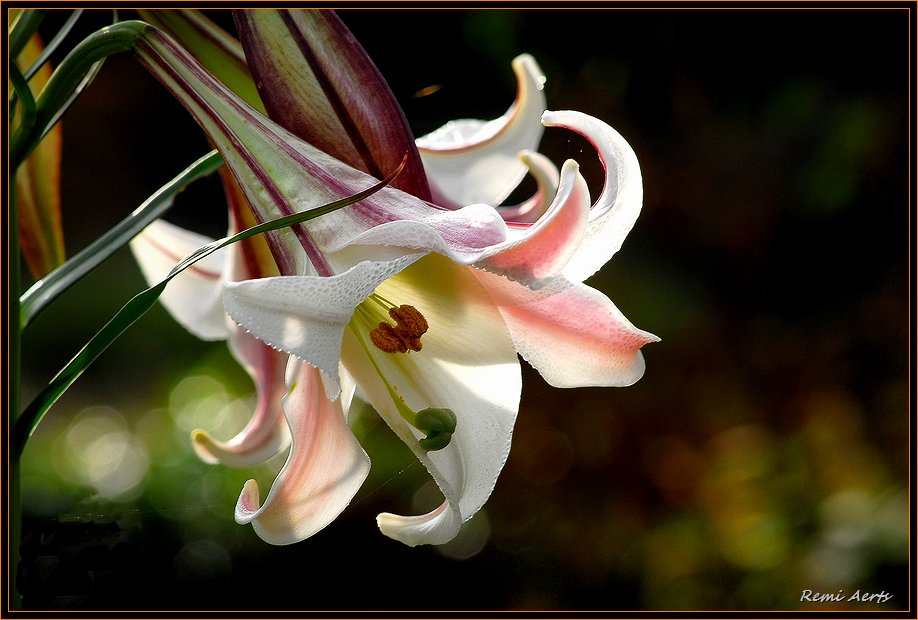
<point x="318" y="83"/>
<point x="193" y="296"/>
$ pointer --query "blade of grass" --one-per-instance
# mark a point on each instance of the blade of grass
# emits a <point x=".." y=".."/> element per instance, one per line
<point x="70" y="76"/>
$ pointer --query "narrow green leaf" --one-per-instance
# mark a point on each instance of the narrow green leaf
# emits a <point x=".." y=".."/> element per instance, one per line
<point x="51" y="286"/>
<point x="140" y="303"/>
<point x="38" y="181"/>
<point x="69" y="77"/>
<point x="52" y="45"/>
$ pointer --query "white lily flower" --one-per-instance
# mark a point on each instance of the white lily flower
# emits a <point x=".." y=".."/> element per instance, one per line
<point x="424" y="306"/>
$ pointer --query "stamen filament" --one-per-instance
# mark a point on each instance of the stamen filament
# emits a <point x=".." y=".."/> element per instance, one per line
<point x="382" y="301"/>
<point x="403" y="409"/>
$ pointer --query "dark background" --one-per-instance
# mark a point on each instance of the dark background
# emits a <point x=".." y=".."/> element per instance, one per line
<point x="764" y="452"/>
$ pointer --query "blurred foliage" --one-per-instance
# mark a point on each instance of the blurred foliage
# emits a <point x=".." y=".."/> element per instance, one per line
<point x="764" y="452"/>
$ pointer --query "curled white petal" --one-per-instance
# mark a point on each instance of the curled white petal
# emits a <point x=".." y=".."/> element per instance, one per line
<point x="266" y="434"/>
<point x="436" y="527"/>
<point x="472" y="161"/>
<point x="619" y="204"/>
<point x="547" y="178"/>
<point x="324" y="469"/>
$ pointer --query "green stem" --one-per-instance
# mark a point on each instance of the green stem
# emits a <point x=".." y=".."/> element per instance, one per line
<point x="23" y="29"/>
<point x="26" y="101"/>
<point x="407" y="413"/>
<point x="14" y="353"/>
<point x="69" y="75"/>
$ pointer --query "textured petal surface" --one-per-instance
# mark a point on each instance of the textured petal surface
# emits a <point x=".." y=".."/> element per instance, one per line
<point x="305" y="315"/>
<point x="472" y="161"/>
<point x="467" y="364"/>
<point x="324" y="470"/>
<point x="193" y="296"/>
<point x="465" y="235"/>
<point x="572" y="334"/>
<point x="618" y="206"/>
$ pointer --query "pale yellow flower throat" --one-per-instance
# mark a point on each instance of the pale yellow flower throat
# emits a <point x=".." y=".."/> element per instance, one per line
<point x="436" y="422"/>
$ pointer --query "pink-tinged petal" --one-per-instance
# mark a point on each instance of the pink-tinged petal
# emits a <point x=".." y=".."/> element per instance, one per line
<point x="618" y="206"/>
<point x="266" y="433"/>
<point x="471" y="161"/>
<point x="305" y="315"/>
<point x="571" y="333"/>
<point x="545" y="247"/>
<point x="272" y="173"/>
<point x="324" y="469"/>
<point x="319" y="83"/>
<point x="193" y="296"/>
<point x="251" y="257"/>
<point x="547" y="178"/>
<point x="468" y="365"/>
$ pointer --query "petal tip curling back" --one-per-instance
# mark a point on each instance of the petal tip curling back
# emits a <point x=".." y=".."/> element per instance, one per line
<point x="244" y="450"/>
<point x="437" y="527"/>
<point x="615" y="211"/>
<point x="247" y="505"/>
<point x="525" y="65"/>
